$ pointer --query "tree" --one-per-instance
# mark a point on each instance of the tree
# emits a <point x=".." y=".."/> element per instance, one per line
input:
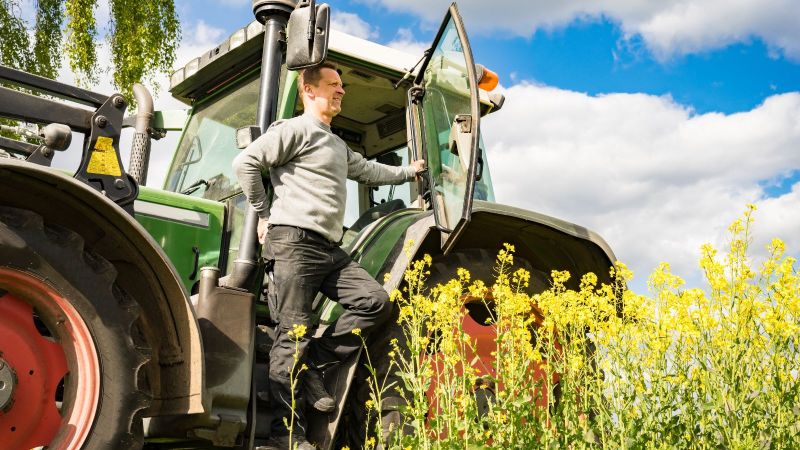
<point x="141" y="34"/>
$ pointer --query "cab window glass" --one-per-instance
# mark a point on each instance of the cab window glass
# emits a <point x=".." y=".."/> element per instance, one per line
<point x="366" y="204"/>
<point x="484" y="189"/>
<point x="202" y="165"/>
<point x="447" y="96"/>
<point x="352" y="206"/>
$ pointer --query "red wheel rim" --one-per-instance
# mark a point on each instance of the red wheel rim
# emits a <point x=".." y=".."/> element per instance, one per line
<point x="40" y="363"/>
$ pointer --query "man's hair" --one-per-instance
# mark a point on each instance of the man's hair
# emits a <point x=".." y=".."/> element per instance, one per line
<point x="313" y="74"/>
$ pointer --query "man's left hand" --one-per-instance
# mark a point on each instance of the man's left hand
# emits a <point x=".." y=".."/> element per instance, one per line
<point x="262" y="230"/>
<point x="419" y="166"/>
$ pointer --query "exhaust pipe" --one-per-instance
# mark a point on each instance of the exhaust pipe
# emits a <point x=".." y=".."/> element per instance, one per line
<point x="274" y="14"/>
<point x="140" y="152"/>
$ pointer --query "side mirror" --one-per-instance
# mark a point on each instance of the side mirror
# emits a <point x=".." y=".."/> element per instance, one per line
<point x="307" y="35"/>
<point x="246" y="135"/>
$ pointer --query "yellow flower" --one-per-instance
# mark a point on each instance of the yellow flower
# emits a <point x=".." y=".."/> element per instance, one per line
<point x="297" y="332"/>
<point x="356" y="331"/>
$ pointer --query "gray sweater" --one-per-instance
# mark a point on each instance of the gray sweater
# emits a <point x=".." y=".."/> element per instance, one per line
<point x="308" y="166"/>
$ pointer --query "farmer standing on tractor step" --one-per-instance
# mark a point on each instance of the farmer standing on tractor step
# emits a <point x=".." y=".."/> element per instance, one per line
<point x="308" y="166"/>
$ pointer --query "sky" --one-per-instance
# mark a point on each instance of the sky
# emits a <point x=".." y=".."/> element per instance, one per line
<point x="652" y="123"/>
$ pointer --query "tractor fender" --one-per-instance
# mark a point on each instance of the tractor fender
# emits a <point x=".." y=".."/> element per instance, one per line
<point x="168" y="322"/>
<point x="548" y="243"/>
<point x="545" y="243"/>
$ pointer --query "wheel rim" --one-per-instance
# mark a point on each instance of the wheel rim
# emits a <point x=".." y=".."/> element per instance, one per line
<point x="33" y="417"/>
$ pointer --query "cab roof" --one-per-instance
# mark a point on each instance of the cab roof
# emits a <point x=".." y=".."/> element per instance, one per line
<point x="241" y="52"/>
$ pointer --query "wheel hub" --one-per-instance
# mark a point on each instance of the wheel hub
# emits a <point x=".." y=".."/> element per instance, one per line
<point x="36" y="360"/>
<point x="8" y="381"/>
<point x="30" y="414"/>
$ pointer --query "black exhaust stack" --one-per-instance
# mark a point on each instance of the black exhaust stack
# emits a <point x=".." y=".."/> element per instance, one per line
<point x="274" y="14"/>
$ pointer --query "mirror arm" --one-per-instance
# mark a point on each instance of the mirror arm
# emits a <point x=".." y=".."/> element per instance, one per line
<point x="410" y="71"/>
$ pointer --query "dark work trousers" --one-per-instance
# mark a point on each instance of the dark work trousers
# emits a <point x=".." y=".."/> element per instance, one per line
<point x="305" y="264"/>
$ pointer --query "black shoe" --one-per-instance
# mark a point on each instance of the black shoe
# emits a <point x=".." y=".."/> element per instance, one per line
<point x="282" y="443"/>
<point x="317" y="396"/>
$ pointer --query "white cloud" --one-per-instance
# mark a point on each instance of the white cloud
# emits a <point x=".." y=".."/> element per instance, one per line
<point x="655" y="180"/>
<point x="353" y="24"/>
<point x="668" y="27"/>
<point x="404" y="40"/>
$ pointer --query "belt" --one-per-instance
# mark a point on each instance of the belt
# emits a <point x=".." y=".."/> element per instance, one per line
<point x="320" y="237"/>
<point x="313" y="234"/>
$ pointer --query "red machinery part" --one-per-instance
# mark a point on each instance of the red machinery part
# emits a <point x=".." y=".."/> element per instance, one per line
<point x="40" y="363"/>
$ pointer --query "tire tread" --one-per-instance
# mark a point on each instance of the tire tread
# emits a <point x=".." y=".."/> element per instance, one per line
<point x="61" y="248"/>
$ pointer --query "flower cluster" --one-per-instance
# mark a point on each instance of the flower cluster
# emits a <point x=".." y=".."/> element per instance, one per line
<point x="599" y="366"/>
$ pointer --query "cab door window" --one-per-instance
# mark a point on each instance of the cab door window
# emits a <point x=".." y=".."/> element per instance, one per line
<point x="449" y="127"/>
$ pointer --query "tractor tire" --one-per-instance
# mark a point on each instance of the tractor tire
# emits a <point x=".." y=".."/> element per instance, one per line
<point x="70" y="340"/>
<point x="481" y="265"/>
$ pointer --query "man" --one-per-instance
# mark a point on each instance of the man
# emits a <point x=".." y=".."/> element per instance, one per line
<point x="308" y="167"/>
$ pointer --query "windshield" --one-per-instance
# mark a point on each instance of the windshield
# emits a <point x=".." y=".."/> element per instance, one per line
<point x="202" y="165"/>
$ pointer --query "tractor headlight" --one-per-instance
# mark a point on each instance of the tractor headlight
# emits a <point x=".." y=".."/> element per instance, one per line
<point x="176" y="78"/>
<point x="254" y="29"/>
<point x="236" y="39"/>
<point x="191" y="68"/>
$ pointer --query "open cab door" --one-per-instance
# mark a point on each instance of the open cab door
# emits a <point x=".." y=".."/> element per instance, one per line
<point x="445" y="117"/>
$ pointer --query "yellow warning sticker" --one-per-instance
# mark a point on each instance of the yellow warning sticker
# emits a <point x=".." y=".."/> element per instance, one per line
<point x="104" y="158"/>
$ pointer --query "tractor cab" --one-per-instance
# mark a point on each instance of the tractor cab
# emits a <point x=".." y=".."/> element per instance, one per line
<point x="383" y="113"/>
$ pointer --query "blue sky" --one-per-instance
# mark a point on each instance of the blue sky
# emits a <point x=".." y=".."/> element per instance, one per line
<point x="589" y="55"/>
<point x="652" y="123"/>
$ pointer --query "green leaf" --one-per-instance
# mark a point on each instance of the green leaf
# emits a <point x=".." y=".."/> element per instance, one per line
<point x="142" y="36"/>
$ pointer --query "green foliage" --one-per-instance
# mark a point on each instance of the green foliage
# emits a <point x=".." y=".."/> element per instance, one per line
<point x="82" y="32"/>
<point x="15" y="41"/>
<point x="47" y="35"/>
<point x="143" y="36"/>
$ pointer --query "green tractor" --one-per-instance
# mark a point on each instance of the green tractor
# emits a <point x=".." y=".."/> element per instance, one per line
<point x="133" y="316"/>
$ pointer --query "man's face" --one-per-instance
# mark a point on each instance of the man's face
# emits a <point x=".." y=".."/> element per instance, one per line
<point x="327" y="96"/>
